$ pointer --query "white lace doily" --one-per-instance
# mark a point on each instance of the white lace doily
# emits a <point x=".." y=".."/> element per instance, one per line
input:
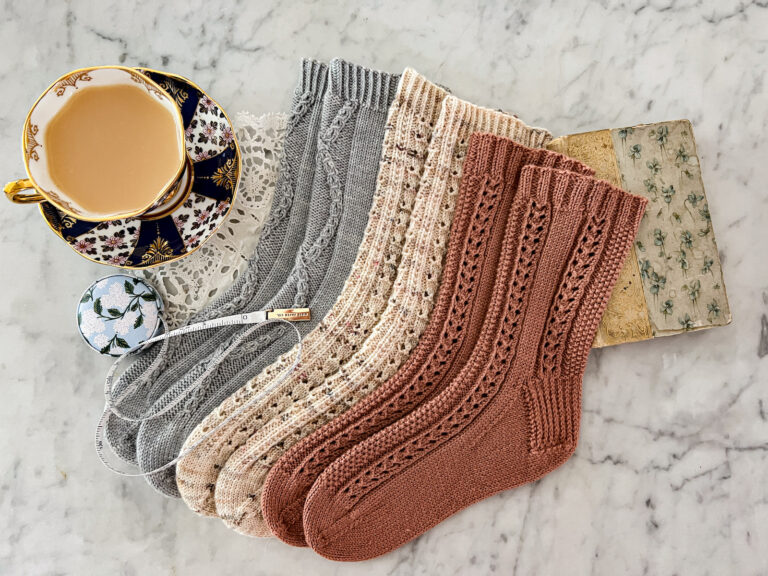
<point x="188" y="284"/>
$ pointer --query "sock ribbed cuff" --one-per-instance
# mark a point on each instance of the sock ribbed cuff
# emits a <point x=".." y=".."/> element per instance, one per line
<point x="502" y="158"/>
<point x="487" y="120"/>
<point x="419" y="94"/>
<point x="370" y="88"/>
<point x="313" y="77"/>
<point x="571" y="191"/>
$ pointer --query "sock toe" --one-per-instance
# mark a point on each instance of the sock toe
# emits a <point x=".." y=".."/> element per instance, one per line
<point x="156" y="445"/>
<point x="238" y="498"/>
<point x="282" y="504"/>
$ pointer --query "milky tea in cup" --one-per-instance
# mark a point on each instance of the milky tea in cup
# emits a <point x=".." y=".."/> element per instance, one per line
<point x="101" y="144"/>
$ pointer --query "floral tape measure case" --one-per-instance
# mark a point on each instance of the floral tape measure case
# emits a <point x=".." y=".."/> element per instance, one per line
<point x="117" y="313"/>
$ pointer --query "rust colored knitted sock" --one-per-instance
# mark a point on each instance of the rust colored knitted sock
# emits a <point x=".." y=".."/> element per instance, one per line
<point x="512" y="414"/>
<point x="491" y="173"/>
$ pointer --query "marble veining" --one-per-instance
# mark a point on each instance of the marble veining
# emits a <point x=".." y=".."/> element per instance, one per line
<point x="671" y="473"/>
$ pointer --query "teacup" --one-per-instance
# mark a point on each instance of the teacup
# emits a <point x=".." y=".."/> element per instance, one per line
<point x="69" y="159"/>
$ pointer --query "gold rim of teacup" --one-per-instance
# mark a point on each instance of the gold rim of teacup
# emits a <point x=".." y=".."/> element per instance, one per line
<point x="14" y="196"/>
<point x="238" y="155"/>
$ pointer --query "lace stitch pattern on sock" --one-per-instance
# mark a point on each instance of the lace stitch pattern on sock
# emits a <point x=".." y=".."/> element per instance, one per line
<point x="342" y="392"/>
<point x="451" y="338"/>
<point x="315" y="457"/>
<point x="552" y="400"/>
<point x="363" y="372"/>
<point x="529" y="252"/>
<point x="548" y="394"/>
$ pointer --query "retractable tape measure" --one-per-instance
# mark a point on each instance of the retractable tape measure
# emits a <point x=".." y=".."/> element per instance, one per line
<point x="258" y="319"/>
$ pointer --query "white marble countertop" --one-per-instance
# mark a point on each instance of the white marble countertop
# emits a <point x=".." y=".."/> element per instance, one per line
<point x="671" y="473"/>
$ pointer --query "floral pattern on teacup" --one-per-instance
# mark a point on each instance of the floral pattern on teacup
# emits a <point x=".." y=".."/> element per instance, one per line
<point x="117" y="313"/>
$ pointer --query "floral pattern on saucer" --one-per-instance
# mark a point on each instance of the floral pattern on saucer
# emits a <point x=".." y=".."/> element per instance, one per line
<point x="198" y="218"/>
<point x="208" y="133"/>
<point x="111" y="242"/>
<point x="139" y="243"/>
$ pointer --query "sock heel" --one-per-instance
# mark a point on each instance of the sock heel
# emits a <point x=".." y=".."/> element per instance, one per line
<point x="551" y="409"/>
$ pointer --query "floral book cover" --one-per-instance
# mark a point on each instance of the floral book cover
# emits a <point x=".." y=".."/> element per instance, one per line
<point x="672" y="281"/>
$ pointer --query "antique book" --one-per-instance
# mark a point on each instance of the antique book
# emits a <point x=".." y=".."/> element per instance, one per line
<point x="672" y="281"/>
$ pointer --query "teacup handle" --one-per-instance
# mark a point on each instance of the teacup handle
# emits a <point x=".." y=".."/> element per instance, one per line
<point x="13" y="191"/>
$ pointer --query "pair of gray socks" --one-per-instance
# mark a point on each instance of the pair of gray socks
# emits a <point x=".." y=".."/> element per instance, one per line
<point x="351" y="129"/>
<point x="267" y="271"/>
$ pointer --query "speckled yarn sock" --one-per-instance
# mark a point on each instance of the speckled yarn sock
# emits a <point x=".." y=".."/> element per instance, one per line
<point x="490" y="179"/>
<point x="512" y="414"/>
<point x="412" y="117"/>
<point x="348" y="153"/>
<point x="238" y="489"/>
<point x="266" y="272"/>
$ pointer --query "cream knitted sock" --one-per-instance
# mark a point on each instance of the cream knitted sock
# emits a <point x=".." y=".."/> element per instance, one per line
<point x="412" y="117"/>
<point x="240" y="482"/>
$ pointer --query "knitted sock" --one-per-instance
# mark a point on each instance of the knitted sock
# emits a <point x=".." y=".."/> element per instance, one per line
<point x="265" y="274"/>
<point x="490" y="176"/>
<point x="512" y="414"/>
<point x="352" y="130"/>
<point x="411" y="119"/>
<point x="241" y="480"/>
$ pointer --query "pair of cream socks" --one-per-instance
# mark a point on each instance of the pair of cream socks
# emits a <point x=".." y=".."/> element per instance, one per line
<point x="376" y="322"/>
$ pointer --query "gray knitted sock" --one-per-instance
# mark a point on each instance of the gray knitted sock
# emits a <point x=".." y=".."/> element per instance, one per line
<point x="349" y="151"/>
<point x="267" y="270"/>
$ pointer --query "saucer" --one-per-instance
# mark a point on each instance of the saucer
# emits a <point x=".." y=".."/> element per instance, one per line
<point x="171" y="234"/>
